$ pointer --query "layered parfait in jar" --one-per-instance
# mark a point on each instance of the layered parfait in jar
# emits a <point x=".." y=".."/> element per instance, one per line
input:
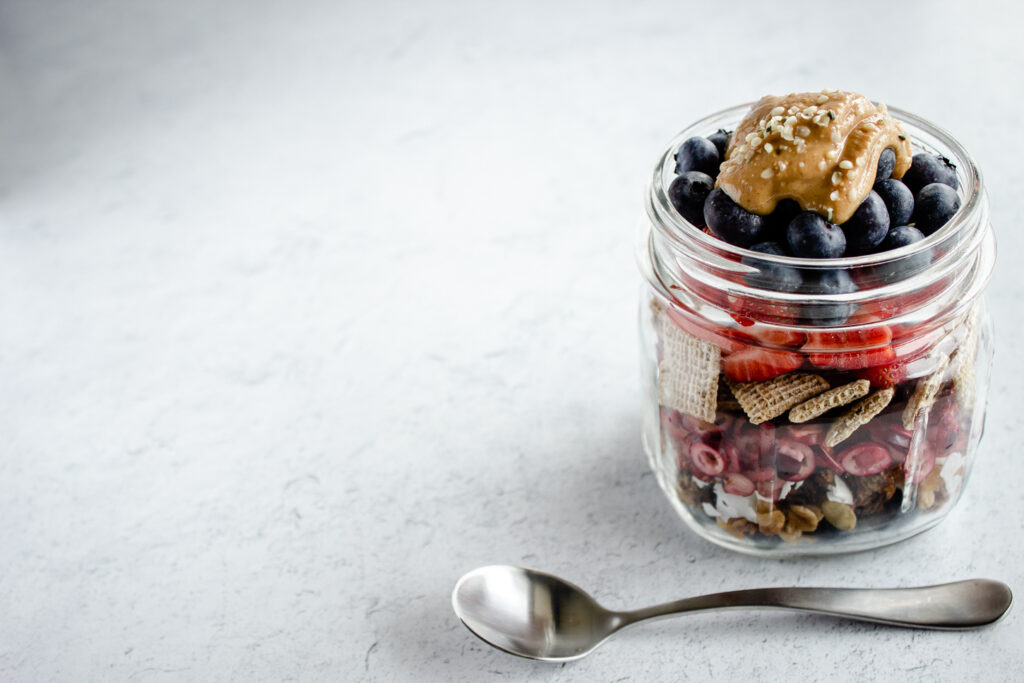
<point x="815" y="347"/>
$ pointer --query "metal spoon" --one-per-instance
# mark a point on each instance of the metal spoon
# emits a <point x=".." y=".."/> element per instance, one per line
<point x="540" y="616"/>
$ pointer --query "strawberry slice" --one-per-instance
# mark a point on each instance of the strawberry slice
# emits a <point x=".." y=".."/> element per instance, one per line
<point x="883" y="376"/>
<point x="741" y="320"/>
<point x="915" y="342"/>
<point x="867" y="337"/>
<point x="854" y="360"/>
<point x="743" y="336"/>
<point x="867" y="348"/>
<point x="773" y="337"/>
<point x="778" y="337"/>
<point x="745" y="308"/>
<point x="754" y="364"/>
<point x="882" y="309"/>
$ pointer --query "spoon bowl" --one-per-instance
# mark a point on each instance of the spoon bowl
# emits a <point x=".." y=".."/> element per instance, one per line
<point x="540" y="616"/>
<point x="532" y="614"/>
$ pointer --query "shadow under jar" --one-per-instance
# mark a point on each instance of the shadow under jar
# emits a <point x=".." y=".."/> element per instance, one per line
<point x="869" y="434"/>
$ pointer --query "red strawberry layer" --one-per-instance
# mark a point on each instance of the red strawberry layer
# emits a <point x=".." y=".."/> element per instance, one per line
<point x="755" y="364"/>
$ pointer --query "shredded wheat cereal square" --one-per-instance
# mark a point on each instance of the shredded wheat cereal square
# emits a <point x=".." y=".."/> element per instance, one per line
<point x="833" y="398"/>
<point x="925" y="392"/>
<point x="763" y="401"/>
<point x="962" y="363"/>
<point x="860" y="413"/>
<point x="688" y="373"/>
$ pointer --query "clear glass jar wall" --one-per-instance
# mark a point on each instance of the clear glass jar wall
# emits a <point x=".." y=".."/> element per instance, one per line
<point x="869" y="434"/>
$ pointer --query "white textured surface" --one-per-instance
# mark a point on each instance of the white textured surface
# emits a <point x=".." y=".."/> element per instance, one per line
<point x="308" y="308"/>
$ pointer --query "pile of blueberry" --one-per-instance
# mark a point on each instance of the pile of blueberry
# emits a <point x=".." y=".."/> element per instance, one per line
<point x="897" y="212"/>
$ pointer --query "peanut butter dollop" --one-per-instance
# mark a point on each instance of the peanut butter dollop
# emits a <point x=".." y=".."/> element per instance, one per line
<point x="820" y="149"/>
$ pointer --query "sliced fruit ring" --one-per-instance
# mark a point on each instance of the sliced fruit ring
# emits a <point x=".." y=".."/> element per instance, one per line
<point x="810" y="434"/>
<point x="747" y="440"/>
<point x="766" y="439"/>
<point x="865" y="459"/>
<point x="671" y="422"/>
<point x="891" y="434"/>
<point x="944" y="431"/>
<point x="699" y="427"/>
<point x="898" y="455"/>
<point x="795" y="461"/>
<point x="760" y="475"/>
<point x="706" y="460"/>
<point x="732" y="456"/>
<point x="738" y="485"/>
<point x="824" y="457"/>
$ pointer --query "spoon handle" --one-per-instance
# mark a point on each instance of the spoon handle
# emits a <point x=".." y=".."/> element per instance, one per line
<point x="951" y="606"/>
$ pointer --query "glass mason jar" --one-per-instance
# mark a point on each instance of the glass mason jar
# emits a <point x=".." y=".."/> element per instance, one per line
<point x="868" y="434"/>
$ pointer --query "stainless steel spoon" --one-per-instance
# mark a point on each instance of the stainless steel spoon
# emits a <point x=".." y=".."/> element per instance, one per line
<point x="540" y="616"/>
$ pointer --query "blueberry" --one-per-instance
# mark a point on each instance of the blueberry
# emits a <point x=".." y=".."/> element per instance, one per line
<point x="772" y="275"/>
<point x="779" y="219"/>
<point x="897" y="237"/>
<point x="828" y="282"/>
<point x="811" y="236"/>
<point x="835" y="282"/>
<point x="900" y="236"/>
<point x="688" y="192"/>
<point x="731" y="222"/>
<point x="698" y="154"/>
<point x="886" y="164"/>
<point x="899" y="200"/>
<point x="868" y="224"/>
<point x="721" y="141"/>
<point x="927" y="169"/>
<point x="936" y="203"/>
<point x="772" y="248"/>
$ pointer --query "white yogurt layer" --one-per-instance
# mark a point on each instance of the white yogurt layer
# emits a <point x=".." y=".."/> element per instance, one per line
<point x="839" y="492"/>
<point x="731" y="506"/>
<point x="952" y="472"/>
<point x="786" y="489"/>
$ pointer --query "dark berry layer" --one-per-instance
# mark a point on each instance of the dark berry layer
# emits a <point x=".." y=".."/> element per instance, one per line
<point x="924" y="199"/>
